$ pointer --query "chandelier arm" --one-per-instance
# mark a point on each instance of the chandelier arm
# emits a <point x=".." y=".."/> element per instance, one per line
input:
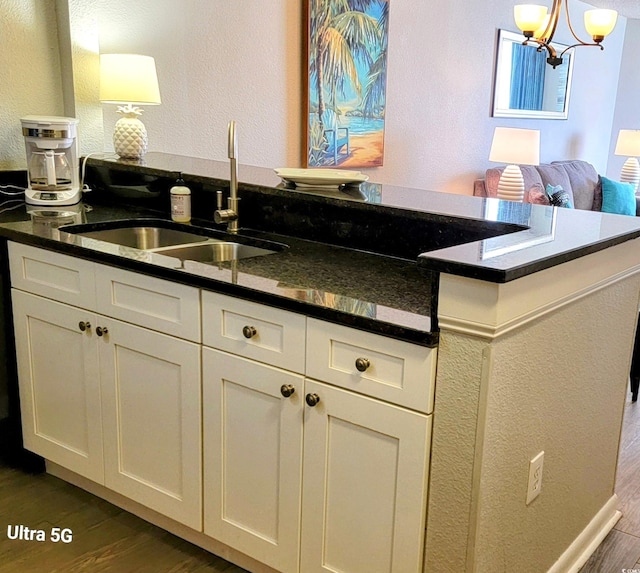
<point x="580" y="42"/>
<point x="550" y="30"/>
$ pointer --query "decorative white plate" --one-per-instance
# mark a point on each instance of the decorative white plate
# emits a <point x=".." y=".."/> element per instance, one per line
<point x="320" y="177"/>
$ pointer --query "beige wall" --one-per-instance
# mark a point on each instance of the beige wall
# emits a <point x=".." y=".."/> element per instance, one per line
<point x="30" y="71"/>
<point x="219" y="60"/>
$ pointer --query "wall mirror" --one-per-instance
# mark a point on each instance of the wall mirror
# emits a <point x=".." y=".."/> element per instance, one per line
<point x="525" y="85"/>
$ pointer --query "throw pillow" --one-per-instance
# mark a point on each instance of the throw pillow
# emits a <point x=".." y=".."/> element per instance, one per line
<point x="537" y="196"/>
<point x="558" y="197"/>
<point x="619" y="198"/>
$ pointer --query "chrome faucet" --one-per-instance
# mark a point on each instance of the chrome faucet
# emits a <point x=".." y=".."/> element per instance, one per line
<point x="230" y="214"/>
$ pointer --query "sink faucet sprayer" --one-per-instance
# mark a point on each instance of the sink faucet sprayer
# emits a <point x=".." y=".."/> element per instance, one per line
<point x="230" y="215"/>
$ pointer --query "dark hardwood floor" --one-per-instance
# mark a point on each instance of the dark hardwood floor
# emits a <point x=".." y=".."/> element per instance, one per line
<point x="621" y="548"/>
<point x="105" y="538"/>
<point x="109" y="540"/>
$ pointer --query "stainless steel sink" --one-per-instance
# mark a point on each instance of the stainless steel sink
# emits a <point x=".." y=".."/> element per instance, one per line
<point x="145" y="238"/>
<point x="155" y="236"/>
<point x="215" y="252"/>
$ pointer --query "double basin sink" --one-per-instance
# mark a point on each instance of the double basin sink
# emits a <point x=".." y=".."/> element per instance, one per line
<point x="176" y="240"/>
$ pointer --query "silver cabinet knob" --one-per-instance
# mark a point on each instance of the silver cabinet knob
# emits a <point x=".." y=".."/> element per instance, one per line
<point x="82" y="325"/>
<point x="249" y="331"/>
<point x="362" y="364"/>
<point x="100" y="330"/>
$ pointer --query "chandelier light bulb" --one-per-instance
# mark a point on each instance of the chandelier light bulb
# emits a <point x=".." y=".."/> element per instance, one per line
<point x="529" y="17"/>
<point x="600" y="23"/>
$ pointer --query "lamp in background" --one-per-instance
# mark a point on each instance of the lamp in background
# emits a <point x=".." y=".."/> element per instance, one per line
<point x="539" y="26"/>
<point x="629" y="144"/>
<point x="129" y="79"/>
<point x="515" y="147"/>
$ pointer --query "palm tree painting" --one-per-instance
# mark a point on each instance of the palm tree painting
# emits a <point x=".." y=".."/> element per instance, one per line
<point x="347" y="76"/>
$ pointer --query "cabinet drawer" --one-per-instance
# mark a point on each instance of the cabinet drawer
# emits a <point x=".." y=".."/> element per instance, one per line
<point x="154" y="303"/>
<point x="255" y="331"/>
<point x="392" y="370"/>
<point x="52" y="275"/>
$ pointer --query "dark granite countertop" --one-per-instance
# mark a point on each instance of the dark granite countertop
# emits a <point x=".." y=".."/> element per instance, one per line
<point x="443" y="232"/>
<point x="376" y="293"/>
<point x="368" y="257"/>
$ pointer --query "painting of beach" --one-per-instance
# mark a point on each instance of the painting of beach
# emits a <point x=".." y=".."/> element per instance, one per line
<point x="347" y="78"/>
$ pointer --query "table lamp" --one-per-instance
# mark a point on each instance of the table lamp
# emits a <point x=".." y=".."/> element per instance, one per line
<point x="515" y="147"/>
<point x="629" y="144"/>
<point x="129" y="79"/>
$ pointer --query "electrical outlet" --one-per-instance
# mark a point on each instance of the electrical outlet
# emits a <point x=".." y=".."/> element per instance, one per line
<point x="535" y="477"/>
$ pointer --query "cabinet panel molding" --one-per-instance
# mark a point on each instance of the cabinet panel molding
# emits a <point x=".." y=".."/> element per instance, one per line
<point x="52" y="275"/>
<point x="364" y="484"/>
<point x="274" y="336"/>
<point x="147" y="301"/>
<point x="59" y="383"/>
<point x="252" y="458"/>
<point x="152" y="422"/>
<point x="385" y="368"/>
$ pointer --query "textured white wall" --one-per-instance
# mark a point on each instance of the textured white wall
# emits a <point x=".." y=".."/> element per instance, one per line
<point x="220" y="60"/>
<point x="564" y="395"/>
<point x="30" y="71"/>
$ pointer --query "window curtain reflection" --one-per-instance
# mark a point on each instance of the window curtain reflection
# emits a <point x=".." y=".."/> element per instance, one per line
<point x="527" y="77"/>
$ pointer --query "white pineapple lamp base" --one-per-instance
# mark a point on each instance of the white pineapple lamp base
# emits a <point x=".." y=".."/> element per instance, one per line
<point x="130" y="139"/>
<point x="631" y="172"/>
<point x="511" y="184"/>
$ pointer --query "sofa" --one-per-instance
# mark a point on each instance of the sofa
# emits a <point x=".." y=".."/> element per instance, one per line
<point x="578" y="178"/>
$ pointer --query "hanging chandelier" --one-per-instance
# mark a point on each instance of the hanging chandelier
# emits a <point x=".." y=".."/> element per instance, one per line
<point x="539" y="26"/>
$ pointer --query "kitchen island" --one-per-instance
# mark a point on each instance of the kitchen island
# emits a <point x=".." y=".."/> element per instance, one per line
<point x="526" y="315"/>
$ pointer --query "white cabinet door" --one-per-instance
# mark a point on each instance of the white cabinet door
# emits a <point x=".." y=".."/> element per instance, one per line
<point x="364" y="484"/>
<point x="59" y="383"/>
<point x="152" y="419"/>
<point x="252" y="458"/>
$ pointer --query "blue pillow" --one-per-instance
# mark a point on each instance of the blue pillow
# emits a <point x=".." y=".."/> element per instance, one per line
<point x="619" y="198"/>
<point x="558" y="197"/>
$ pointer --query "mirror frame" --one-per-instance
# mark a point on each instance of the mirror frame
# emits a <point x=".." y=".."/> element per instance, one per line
<point x="502" y="79"/>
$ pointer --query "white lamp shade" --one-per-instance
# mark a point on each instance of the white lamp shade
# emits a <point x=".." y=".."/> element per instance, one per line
<point x="529" y="17"/>
<point x="600" y="23"/>
<point x="515" y="146"/>
<point x="128" y="78"/>
<point x="628" y="143"/>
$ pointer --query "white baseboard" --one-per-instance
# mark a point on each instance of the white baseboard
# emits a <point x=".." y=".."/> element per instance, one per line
<point x="583" y="546"/>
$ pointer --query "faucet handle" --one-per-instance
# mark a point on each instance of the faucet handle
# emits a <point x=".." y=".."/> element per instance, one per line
<point x="219" y="200"/>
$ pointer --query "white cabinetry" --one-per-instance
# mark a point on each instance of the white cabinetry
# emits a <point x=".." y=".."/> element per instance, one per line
<point x="301" y="444"/>
<point x="59" y="384"/>
<point x="150" y="386"/>
<point x="364" y="486"/>
<point x="116" y="403"/>
<point x="252" y="458"/>
<point x="364" y="483"/>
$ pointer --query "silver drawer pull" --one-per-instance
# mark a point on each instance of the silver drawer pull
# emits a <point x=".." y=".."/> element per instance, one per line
<point x="249" y="331"/>
<point x="362" y="364"/>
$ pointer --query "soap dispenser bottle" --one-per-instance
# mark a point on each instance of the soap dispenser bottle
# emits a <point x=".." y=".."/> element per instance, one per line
<point x="180" y="202"/>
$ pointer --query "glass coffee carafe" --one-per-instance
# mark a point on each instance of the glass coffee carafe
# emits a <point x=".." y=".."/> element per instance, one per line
<point x="52" y="160"/>
<point x="49" y="170"/>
